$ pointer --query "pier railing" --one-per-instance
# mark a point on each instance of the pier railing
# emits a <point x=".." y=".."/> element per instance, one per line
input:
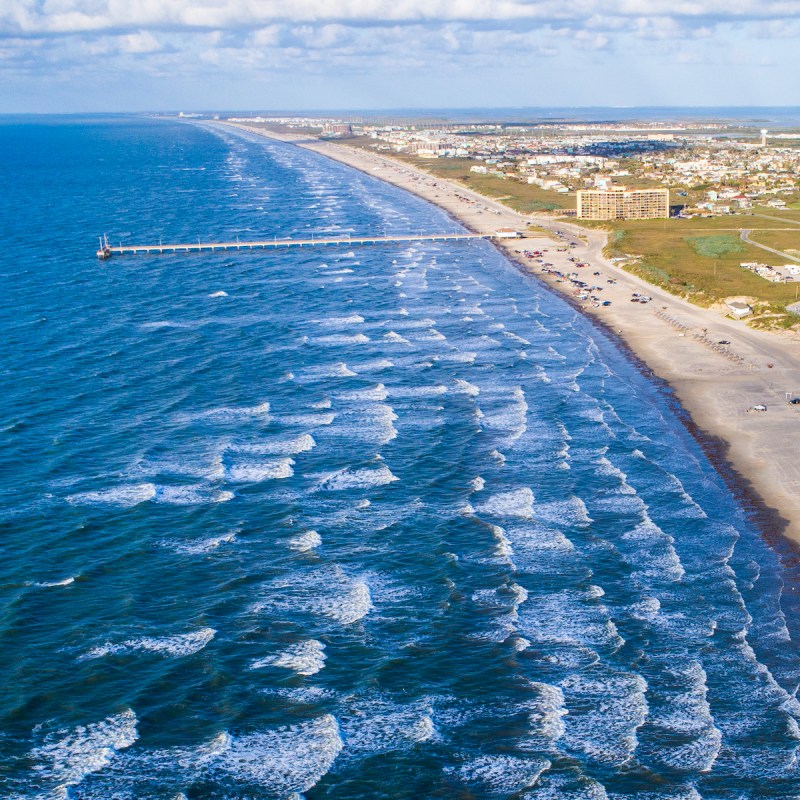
<point x="107" y="251"/>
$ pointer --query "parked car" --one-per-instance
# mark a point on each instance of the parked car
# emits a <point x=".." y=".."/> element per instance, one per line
<point x="758" y="407"/>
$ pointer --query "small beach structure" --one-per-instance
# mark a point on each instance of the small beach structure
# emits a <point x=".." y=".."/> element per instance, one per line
<point x="738" y="309"/>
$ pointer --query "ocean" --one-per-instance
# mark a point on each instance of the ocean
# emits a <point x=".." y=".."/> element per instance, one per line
<point x="387" y="522"/>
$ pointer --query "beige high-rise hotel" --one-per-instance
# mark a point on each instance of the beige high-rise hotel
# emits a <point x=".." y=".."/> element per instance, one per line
<point x="621" y="203"/>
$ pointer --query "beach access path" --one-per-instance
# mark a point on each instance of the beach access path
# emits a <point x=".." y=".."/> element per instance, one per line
<point x="680" y="342"/>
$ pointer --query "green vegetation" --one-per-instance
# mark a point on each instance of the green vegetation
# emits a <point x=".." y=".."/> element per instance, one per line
<point x="780" y="240"/>
<point x="700" y="259"/>
<point x="715" y="246"/>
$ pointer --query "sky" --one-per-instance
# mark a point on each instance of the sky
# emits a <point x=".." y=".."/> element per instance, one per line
<point x="152" y="55"/>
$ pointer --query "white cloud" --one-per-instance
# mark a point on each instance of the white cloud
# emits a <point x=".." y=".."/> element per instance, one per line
<point x="53" y="17"/>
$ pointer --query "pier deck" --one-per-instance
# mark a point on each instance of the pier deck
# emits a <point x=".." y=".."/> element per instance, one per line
<point x="275" y="243"/>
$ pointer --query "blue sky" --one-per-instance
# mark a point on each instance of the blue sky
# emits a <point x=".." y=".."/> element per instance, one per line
<point x="121" y="55"/>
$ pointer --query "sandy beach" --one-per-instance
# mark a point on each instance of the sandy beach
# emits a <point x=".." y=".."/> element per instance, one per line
<point x="715" y="383"/>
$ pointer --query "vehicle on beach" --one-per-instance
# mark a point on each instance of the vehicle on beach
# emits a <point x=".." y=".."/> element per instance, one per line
<point x="795" y="401"/>
<point x="758" y="407"/>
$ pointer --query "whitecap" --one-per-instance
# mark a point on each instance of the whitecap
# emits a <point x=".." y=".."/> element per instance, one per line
<point x="68" y="756"/>
<point x="182" y="644"/>
<point x="304" y="658"/>
<point x="465" y="387"/>
<point x="308" y="420"/>
<point x="123" y="496"/>
<point x="305" y="541"/>
<point x="256" y="472"/>
<point x="292" y="446"/>
<point x="337" y="339"/>
<point x="373" y="394"/>
<point x="233" y="412"/>
<point x="395" y="337"/>
<point x="51" y="584"/>
<point x="373" y="366"/>
<point x="190" y="495"/>
<point x="349" y="604"/>
<point x="289" y="759"/>
<point x="201" y="545"/>
<point x="364" y="478"/>
<point x="218" y="294"/>
<point x="378" y="726"/>
<point x="501" y="775"/>
<point x="515" y="503"/>
<point x="338" y="322"/>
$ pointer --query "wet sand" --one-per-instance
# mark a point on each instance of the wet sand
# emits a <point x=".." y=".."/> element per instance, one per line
<point x="715" y="384"/>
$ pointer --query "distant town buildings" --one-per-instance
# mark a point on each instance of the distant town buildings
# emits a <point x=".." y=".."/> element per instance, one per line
<point x="337" y="129"/>
<point x="621" y="203"/>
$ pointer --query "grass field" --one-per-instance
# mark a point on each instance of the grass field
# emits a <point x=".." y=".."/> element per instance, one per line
<point x="780" y="240"/>
<point x="700" y="259"/>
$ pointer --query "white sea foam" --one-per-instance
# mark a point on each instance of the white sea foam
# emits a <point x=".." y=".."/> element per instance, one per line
<point x="67" y="757"/>
<point x="51" y="584"/>
<point x="477" y="484"/>
<point x="535" y="540"/>
<point x="688" y="714"/>
<point x="308" y="420"/>
<point x="571" y="511"/>
<point x="375" y="365"/>
<point x="124" y="496"/>
<point x="516" y="503"/>
<point x="378" y="726"/>
<point x="514" y="337"/>
<point x="417" y="391"/>
<point x="351" y="602"/>
<point x="546" y="711"/>
<point x="395" y="337"/>
<point x="498" y="456"/>
<point x="341" y="338"/>
<point x="184" y="644"/>
<point x="503" y="548"/>
<point x="163" y="324"/>
<point x="190" y="495"/>
<point x="511" y="419"/>
<point x="464" y="357"/>
<point x="363" y="478"/>
<point x="201" y="545"/>
<point x="501" y="775"/>
<point x="305" y="541"/>
<point x="465" y="387"/>
<point x="613" y="708"/>
<point x="288" y="759"/>
<point x="218" y="294"/>
<point x="256" y="472"/>
<point x="292" y="446"/>
<point x="304" y="658"/>
<point x="340" y="322"/>
<point x="373" y="394"/>
<point x="234" y="412"/>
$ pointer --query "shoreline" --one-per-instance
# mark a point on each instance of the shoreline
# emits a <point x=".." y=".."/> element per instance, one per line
<point x="711" y="386"/>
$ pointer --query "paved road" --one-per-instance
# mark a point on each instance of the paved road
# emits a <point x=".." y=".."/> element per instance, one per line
<point x="746" y="238"/>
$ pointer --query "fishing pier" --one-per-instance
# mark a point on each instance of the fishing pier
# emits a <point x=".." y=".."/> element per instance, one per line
<point x="106" y="250"/>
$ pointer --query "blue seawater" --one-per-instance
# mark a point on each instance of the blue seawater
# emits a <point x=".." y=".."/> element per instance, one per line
<point x="392" y="522"/>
